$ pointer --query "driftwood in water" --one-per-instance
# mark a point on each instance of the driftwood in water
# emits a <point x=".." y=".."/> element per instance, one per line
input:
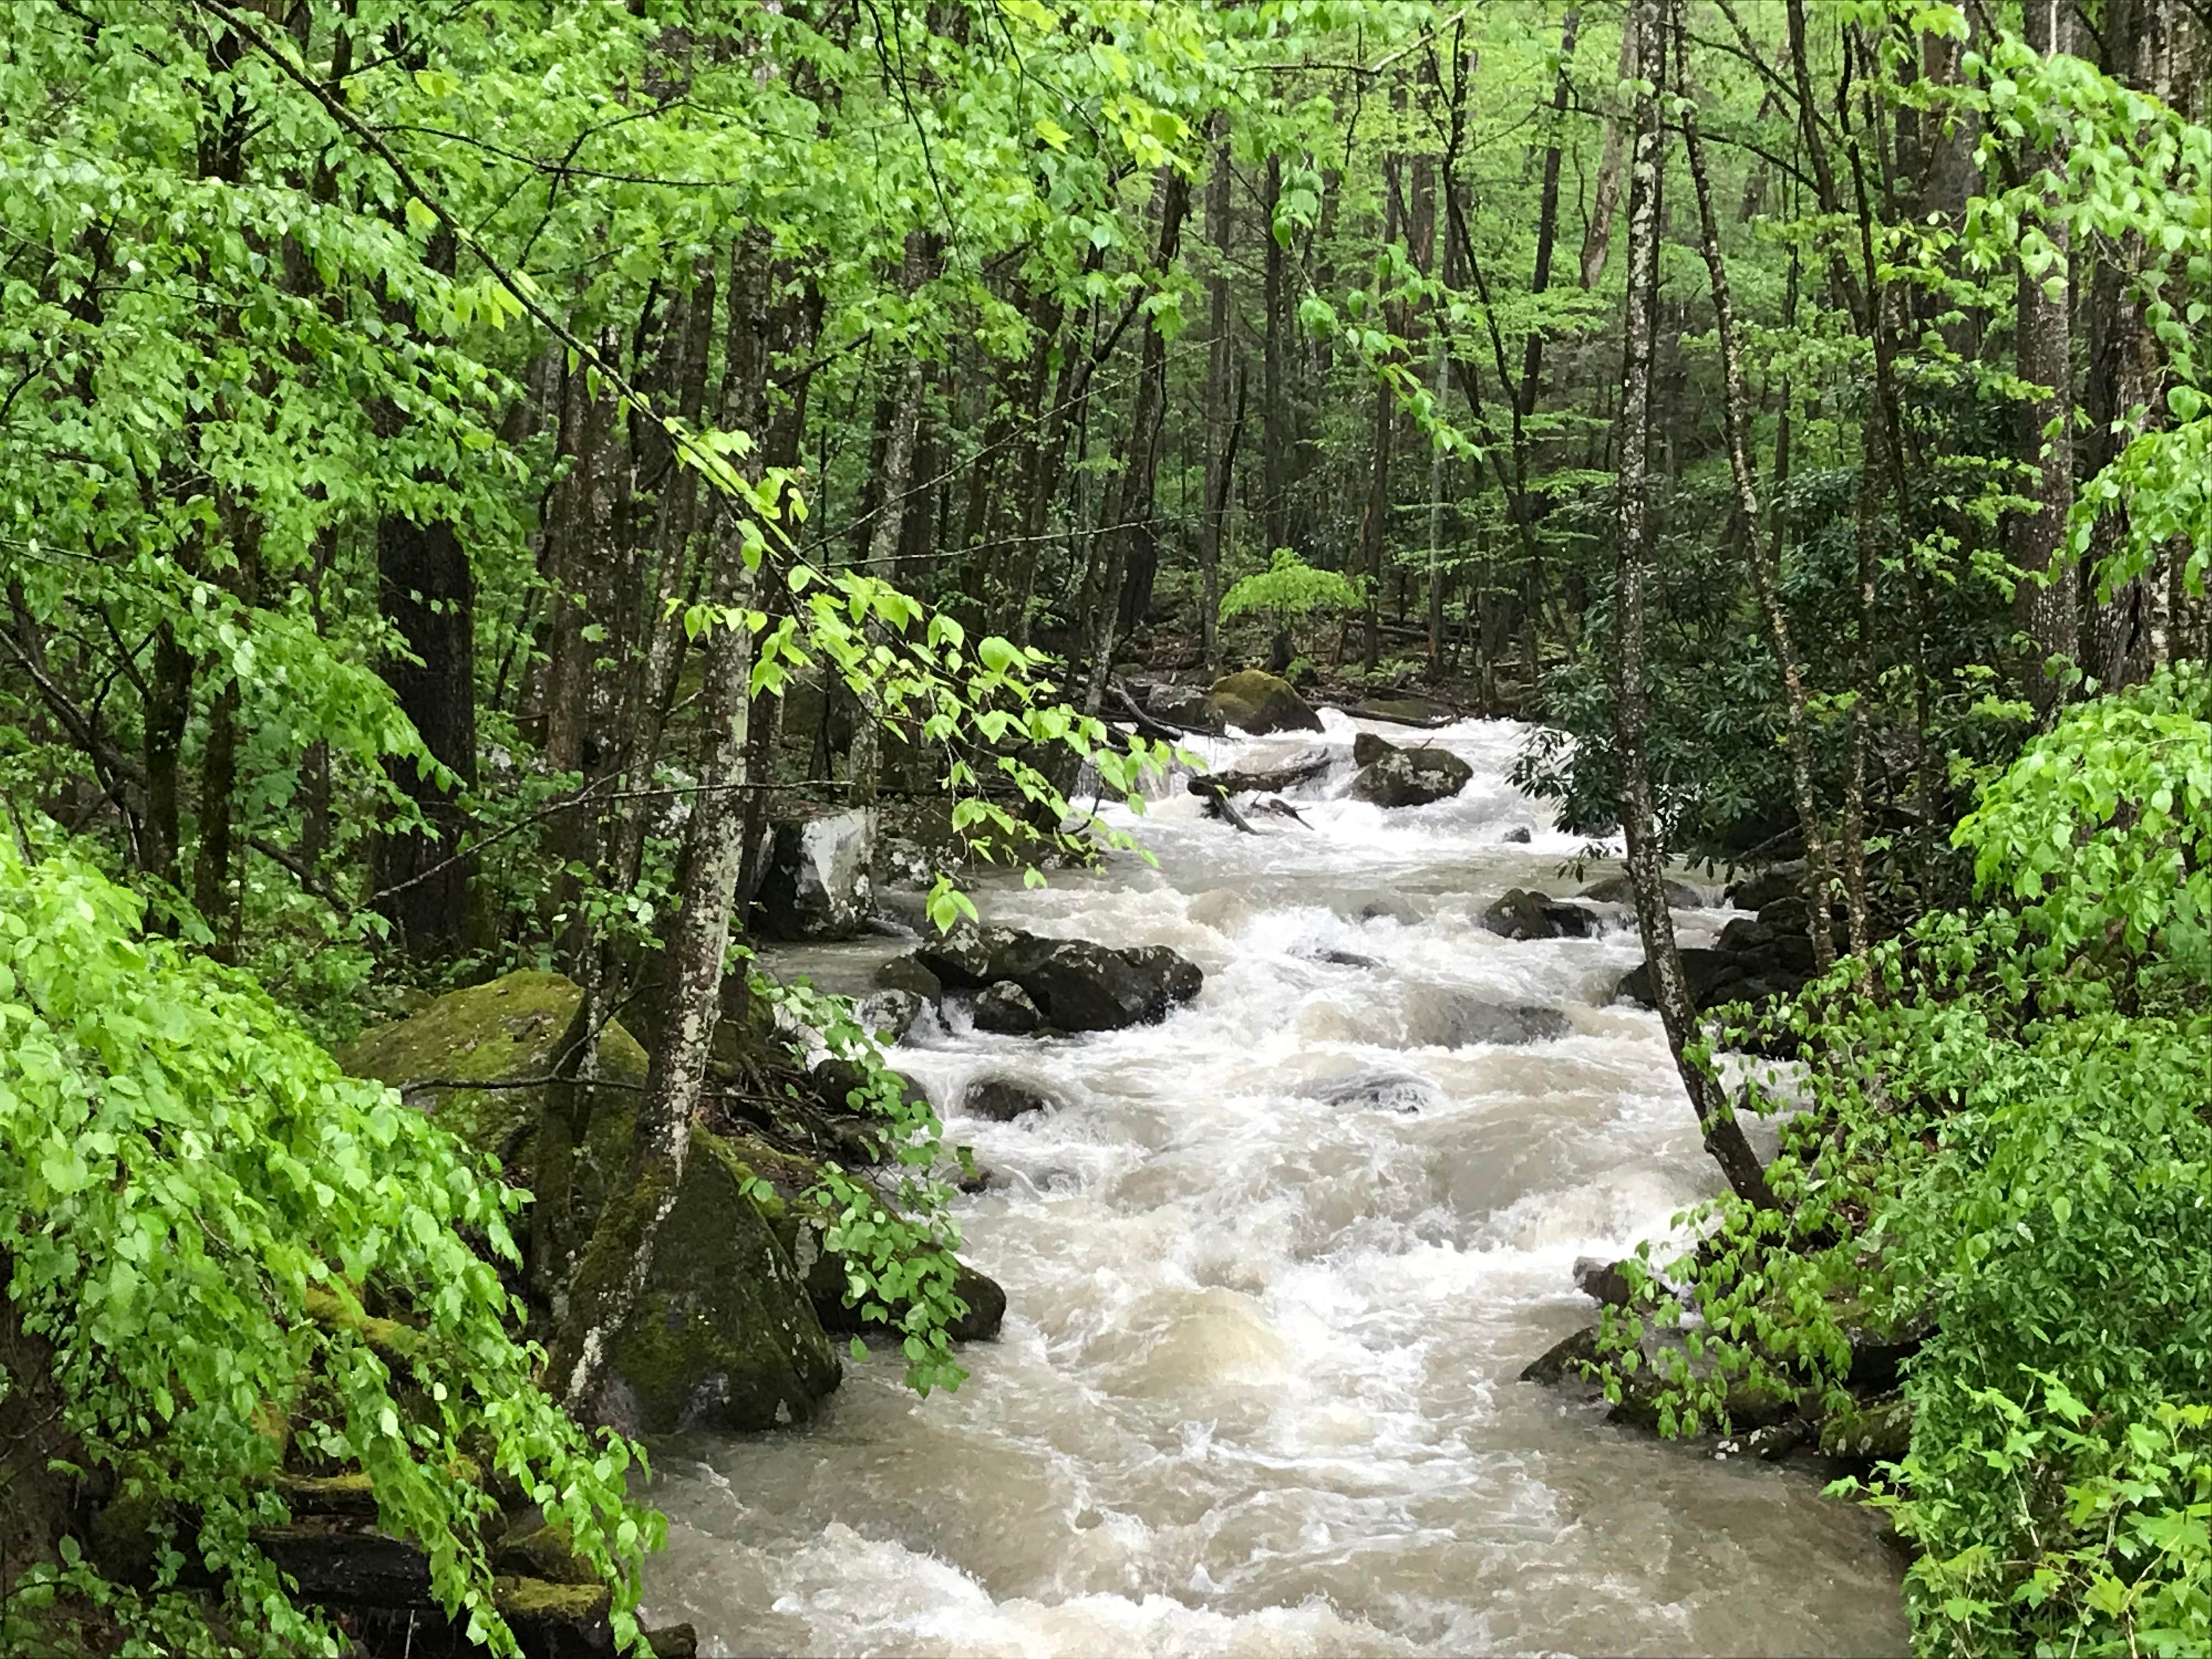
<point x="1151" y="725"/>
<point x="1306" y="768"/>
<point x="1218" y="805"/>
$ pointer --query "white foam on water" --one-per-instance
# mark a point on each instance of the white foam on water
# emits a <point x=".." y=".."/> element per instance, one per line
<point x="1274" y="1267"/>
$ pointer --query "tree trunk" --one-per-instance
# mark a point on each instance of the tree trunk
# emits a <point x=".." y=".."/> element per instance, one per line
<point x="1597" y="239"/>
<point x="618" y="1263"/>
<point x="1220" y="360"/>
<point x="427" y="594"/>
<point x="1760" y="558"/>
<point x="1723" y="1135"/>
<point x="1277" y="420"/>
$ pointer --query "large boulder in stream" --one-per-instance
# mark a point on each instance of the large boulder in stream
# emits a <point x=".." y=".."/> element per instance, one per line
<point x="1074" y="985"/>
<point x="1260" y="704"/>
<point x="1521" y="913"/>
<point x="1411" y="777"/>
<point x="817" y="883"/>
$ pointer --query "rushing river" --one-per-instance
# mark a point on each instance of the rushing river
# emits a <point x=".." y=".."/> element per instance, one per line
<point x="1257" y="1390"/>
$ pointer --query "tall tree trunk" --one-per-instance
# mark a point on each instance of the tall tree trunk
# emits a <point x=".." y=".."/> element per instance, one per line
<point x="1279" y="434"/>
<point x="1597" y="238"/>
<point x="2047" y="603"/>
<point x="1129" y="505"/>
<point x="1760" y="558"/>
<point x="427" y="593"/>
<point x="1220" y="363"/>
<point x="618" y="1264"/>
<point x="1723" y="1135"/>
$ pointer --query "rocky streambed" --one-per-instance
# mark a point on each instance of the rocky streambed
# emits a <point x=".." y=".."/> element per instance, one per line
<point x="1285" y="1171"/>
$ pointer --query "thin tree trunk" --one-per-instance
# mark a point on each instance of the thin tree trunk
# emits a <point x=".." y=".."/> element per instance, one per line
<point x="1723" y="1135"/>
<point x="1597" y="238"/>
<point x="618" y="1264"/>
<point x="1760" y="559"/>
<point x="1219" y="366"/>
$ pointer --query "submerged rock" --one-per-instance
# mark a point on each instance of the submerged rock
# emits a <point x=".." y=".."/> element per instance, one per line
<point x="1524" y="913"/>
<point x="1403" y="711"/>
<point x="1453" y="1019"/>
<point x="1003" y="1099"/>
<point x="816" y="884"/>
<point x="1259" y="703"/>
<point x="1411" y="777"/>
<point x="1618" y="889"/>
<point x="1375" y="1090"/>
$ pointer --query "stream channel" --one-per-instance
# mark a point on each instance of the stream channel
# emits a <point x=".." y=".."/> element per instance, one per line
<point x="1273" y="1267"/>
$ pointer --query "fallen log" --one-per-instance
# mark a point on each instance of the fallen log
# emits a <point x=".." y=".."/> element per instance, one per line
<point x="1306" y="768"/>
<point x="1218" y="805"/>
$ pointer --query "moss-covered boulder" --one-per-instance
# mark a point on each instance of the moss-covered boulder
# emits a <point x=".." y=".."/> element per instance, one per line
<point x="1259" y="703"/>
<point x="726" y="1332"/>
<point x="801" y="1222"/>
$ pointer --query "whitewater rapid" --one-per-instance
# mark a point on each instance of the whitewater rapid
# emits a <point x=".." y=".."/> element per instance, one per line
<point x="1273" y="1265"/>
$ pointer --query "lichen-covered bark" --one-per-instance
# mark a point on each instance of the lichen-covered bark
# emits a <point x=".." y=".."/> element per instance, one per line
<point x="1723" y="1135"/>
<point x="618" y="1261"/>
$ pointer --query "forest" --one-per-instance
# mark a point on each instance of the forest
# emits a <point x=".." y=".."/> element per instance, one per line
<point x="520" y="519"/>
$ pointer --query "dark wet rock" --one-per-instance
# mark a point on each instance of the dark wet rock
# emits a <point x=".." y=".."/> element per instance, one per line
<point x="986" y="1306"/>
<point x="1190" y="707"/>
<point x="889" y="1015"/>
<point x="1367" y="748"/>
<point x="975" y="1181"/>
<point x="1403" y="711"/>
<point x="1411" y="777"/>
<point x="1082" y="987"/>
<point x="1003" y="1099"/>
<point x="817" y="883"/>
<point x="1259" y="704"/>
<point x="1618" y="889"/>
<point x="906" y="973"/>
<point x="1604" y="1282"/>
<point x="1519" y="835"/>
<point x="1076" y="985"/>
<point x="1878" y="1352"/>
<point x="1561" y="1361"/>
<point x="1005" y="1009"/>
<point x="904" y="865"/>
<point x="1524" y="914"/>
<point x="1454" y="1020"/>
<point x="967" y="957"/>
<point x="1375" y="1089"/>
<point x="1776" y="881"/>
<point x="673" y="1642"/>
<point x="1709" y="973"/>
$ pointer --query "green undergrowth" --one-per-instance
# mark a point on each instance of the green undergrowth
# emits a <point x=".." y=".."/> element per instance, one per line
<point x="206" y="1225"/>
<point x="2007" y="1142"/>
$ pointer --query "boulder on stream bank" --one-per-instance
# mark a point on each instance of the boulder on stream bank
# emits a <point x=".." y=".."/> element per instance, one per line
<point x="1756" y="961"/>
<point x="1259" y="704"/>
<point x="733" y="1329"/>
<point x="817" y="883"/>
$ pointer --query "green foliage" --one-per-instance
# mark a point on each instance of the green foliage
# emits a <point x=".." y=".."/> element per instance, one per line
<point x="233" y="1247"/>
<point x="2009" y="1138"/>
<point x="1288" y="590"/>
<point x="899" y="1268"/>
